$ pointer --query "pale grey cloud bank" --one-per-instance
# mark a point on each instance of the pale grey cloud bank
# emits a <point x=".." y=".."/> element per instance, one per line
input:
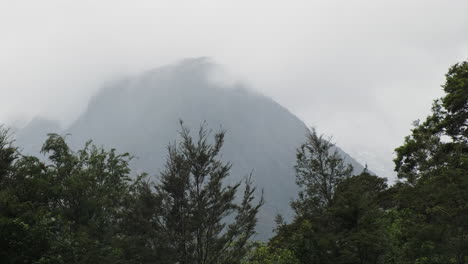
<point x="358" y="70"/>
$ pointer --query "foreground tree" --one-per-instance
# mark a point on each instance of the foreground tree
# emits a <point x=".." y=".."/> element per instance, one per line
<point x="64" y="211"/>
<point x="360" y="219"/>
<point x="319" y="170"/>
<point x="7" y="153"/>
<point x="192" y="209"/>
<point x="340" y="218"/>
<point x="264" y="254"/>
<point x="26" y="223"/>
<point x="433" y="163"/>
<point x="88" y="191"/>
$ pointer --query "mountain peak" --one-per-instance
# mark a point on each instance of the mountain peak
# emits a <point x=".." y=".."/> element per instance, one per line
<point x="141" y="116"/>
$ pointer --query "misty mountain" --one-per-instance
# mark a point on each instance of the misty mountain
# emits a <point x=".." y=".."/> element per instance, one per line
<point x="141" y="115"/>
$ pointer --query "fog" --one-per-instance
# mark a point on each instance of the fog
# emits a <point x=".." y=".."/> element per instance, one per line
<point x="360" y="71"/>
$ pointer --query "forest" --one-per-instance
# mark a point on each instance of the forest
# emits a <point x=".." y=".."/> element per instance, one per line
<point x="87" y="206"/>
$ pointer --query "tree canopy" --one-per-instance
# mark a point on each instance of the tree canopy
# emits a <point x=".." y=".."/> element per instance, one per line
<point x="87" y="206"/>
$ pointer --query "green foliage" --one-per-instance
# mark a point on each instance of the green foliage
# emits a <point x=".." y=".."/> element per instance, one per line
<point x="353" y="229"/>
<point x="64" y="211"/>
<point x="339" y="217"/>
<point x="91" y="187"/>
<point x="360" y="219"/>
<point x="83" y="207"/>
<point x="25" y="221"/>
<point x="455" y="109"/>
<point x="7" y="153"/>
<point x="423" y="219"/>
<point x="434" y="164"/>
<point x="264" y="254"/>
<point x="319" y="169"/>
<point x="141" y="241"/>
<point x="190" y="206"/>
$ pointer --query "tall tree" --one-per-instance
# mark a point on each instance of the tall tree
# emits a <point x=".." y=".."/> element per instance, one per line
<point x="313" y="234"/>
<point x="25" y="221"/>
<point x="360" y="219"/>
<point x="319" y="169"/>
<point x="264" y="254"/>
<point x="7" y="153"/>
<point x="433" y="163"/>
<point x="142" y="240"/>
<point x="194" y="209"/>
<point x="88" y="193"/>
<point x="65" y="210"/>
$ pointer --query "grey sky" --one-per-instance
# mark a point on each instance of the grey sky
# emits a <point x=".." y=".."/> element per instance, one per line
<point x="358" y="70"/>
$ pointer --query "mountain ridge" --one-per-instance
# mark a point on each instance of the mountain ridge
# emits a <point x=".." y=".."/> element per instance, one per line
<point x="141" y="114"/>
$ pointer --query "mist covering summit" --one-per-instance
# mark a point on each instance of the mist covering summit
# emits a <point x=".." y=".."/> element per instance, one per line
<point x="141" y="115"/>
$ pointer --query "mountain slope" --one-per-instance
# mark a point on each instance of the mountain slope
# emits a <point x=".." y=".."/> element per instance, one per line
<point x="141" y="116"/>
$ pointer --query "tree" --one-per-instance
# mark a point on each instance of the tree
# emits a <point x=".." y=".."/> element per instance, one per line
<point x="433" y="164"/>
<point x="313" y="234"/>
<point x="142" y="240"/>
<point x="264" y="254"/>
<point x="7" y="153"/>
<point x="193" y="211"/>
<point x="339" y="218"/>
<point x="319" y="169"/>
<point x="360" y="218"/>
<point x="25" y="221"/>
<point x="353" y="229"/>
<point x="89" y="188"/>
<point x="64" y="211"/>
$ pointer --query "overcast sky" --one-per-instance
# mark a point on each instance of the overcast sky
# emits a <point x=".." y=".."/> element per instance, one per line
<point x="361" y="71"/>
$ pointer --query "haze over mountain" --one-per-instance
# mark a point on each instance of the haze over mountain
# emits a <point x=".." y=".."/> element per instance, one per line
<point x="141" y="115"/>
